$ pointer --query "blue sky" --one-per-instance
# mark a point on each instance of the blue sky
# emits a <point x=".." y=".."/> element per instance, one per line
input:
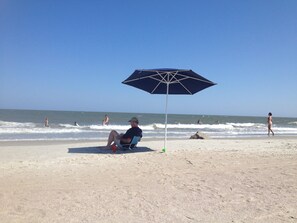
<point x="73" y="55"/>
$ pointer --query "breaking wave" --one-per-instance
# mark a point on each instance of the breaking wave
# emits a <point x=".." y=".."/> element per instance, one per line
<point x="36" y="131"/>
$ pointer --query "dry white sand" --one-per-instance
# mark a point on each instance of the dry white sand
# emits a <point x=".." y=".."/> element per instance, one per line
<point x="238" y="180"/>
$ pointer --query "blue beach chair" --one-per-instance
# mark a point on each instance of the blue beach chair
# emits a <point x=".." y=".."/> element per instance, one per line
<point x="130" y="145"/>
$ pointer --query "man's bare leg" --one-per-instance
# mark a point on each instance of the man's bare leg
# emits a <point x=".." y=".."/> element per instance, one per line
<point x="113" y="135"/>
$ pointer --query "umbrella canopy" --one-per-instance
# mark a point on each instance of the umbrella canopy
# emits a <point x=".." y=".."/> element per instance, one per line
<point x="168" y="81"/>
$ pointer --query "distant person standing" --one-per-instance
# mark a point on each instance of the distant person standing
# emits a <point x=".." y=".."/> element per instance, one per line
<point x="269" y="122"/>
<point x="46" y="122"/>
<point x="105" y="121"/>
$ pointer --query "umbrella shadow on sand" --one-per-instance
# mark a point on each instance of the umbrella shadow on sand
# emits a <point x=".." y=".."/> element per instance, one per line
<point x="103" y="150"/>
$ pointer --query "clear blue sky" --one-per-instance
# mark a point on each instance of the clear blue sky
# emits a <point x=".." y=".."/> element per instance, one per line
<point x="73" y="55"/>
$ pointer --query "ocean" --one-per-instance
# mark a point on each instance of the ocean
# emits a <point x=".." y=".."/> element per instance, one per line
<point x="17" y="125"/>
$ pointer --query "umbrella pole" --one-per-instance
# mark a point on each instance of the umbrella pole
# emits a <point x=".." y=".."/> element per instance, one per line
<point x="165" y="140"/>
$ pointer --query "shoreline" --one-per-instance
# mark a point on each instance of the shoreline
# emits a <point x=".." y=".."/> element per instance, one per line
<point x="100" y="141"/>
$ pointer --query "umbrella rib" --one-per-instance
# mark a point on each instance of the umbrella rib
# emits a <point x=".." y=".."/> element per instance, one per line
<point x="178" y="81"/>
<point x="156" y="87"/>
<point x="198" y="79"/>
<point x="182" y="75"/>
<point x="170" y="76"/>
<point x="171" y="80"/>
<point x="173" y="77"/>
<point x="140" y="78"/>
<point x="162" y="80"/>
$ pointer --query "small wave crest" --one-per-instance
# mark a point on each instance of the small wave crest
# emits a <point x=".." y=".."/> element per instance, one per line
<point x="17" y="124"/>
<point x="193" y="126"/>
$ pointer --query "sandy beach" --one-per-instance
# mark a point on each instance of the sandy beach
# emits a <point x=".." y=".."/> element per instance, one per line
<point x="226" y="180"/>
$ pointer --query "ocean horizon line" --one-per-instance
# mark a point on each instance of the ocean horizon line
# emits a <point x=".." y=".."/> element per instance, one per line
<point x="154" y="113"/>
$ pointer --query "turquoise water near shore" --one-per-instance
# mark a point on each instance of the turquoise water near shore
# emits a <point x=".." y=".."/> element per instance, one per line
<point x="29" y="125"/>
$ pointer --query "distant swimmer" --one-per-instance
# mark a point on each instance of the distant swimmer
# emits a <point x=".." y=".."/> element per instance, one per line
<point x="75" y="124"/>
<point x="105" y="121"/>
<point x="46" y="122"/>
<point x="269" y="122"/>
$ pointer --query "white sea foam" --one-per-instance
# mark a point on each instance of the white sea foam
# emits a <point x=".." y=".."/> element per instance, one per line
<point x="17" y="124"/>
<point x="193" y="126"/>
<point x="285" y="129"/>
<point x="246" y="124"/>
<point x="109" y="127"/>
<point x="36" y="131"/>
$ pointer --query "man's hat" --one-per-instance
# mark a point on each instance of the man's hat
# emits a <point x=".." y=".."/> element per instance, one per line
<point x="134" y="119"/>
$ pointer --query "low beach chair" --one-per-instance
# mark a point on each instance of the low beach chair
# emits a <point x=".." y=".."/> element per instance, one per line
<point x="130" y="145"/>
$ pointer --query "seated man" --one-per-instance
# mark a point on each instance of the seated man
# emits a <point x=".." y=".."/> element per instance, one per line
<point x="127" y="137"/>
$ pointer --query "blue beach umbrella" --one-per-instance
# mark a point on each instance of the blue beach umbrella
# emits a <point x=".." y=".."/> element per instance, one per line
<point x="168" y="81"/>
